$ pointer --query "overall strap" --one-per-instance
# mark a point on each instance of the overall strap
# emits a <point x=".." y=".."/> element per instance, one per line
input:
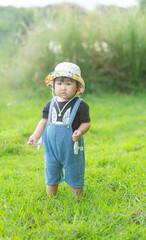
<point x="74" y="110"/>
<point x="50" y="110"/>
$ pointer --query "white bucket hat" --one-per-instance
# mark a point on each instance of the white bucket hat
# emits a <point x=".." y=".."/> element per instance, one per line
<point x="66" y="69"/>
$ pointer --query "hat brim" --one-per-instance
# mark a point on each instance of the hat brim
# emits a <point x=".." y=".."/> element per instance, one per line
<point x="53" y="75"/>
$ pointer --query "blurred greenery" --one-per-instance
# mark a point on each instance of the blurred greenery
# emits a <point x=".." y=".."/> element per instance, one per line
<point x="14" y="24"/>
<point x="142" y="4"/>
<point x="109" y="44"/>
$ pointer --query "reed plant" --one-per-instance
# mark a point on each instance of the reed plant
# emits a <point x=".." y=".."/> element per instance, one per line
<point x="109" y="46"/>
<point x="126" y="39"/>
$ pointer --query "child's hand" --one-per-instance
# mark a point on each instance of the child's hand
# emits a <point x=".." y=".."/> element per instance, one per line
<point x="32" y="141"/>
<point x="77" y="135"/>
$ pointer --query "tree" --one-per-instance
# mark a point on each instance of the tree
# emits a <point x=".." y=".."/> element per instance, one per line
<point x="142" y="4"/>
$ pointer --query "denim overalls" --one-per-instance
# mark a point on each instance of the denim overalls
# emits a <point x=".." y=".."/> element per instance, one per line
<point x="59" y="152"/>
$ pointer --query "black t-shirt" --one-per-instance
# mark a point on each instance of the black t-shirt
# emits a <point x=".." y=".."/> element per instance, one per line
<point x="82" y="115"/>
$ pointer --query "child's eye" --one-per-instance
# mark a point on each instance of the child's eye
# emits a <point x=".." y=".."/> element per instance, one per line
<point x="68" y="84"/>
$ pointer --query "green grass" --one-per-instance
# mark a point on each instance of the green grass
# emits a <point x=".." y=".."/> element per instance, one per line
<point x="113" y="205"/>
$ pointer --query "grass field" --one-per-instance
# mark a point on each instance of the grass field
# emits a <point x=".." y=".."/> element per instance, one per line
<point x="113" y="205"/>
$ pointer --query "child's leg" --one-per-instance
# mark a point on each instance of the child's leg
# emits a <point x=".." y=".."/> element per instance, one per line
<point x="52" y="190"/>
<point x="78" y="192"/>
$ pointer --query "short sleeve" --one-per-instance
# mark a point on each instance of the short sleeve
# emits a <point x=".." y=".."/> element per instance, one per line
<point x="84" y="112"/>
<point x="45" y="111"/>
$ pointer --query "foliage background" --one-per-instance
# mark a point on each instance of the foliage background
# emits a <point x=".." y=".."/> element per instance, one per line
<point x="109" y="44"/>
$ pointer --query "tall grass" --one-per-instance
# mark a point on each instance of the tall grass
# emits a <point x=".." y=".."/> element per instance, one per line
<point x="109" y="46"/>
<point x="127" y="40"/>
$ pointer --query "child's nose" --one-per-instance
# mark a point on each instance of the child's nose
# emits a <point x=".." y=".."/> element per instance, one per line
<point x="63" y="86"/>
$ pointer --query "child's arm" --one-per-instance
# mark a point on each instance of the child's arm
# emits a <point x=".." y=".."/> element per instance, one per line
<point x="83" y="128"/>
<point x="38" y="132"/>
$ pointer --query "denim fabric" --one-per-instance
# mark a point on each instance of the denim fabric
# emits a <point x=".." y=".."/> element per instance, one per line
<point x="59" y="153"/>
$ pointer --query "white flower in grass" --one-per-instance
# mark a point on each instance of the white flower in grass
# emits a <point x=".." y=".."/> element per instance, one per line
<point x="84" y="45"/>
<point x="56" y="47"/>
<point x="97" y="46"/>
<point x="105" y="46"/>
<point x="101" y="46"/>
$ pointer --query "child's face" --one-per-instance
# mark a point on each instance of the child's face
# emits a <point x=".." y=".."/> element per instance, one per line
<point x="65" y="88"/>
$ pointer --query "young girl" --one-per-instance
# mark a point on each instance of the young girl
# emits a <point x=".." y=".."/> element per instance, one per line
<point x="65" y="119"/>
